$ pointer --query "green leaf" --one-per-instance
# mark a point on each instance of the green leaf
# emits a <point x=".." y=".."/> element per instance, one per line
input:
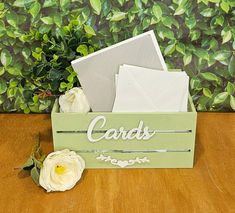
<point x="118" y="16"/>
<point x="231" y="66"/>
<point x="146" y="23"/>
<point x="211" y="62"/>
<point x="230" y="88"/>
<point x="137" y="30"/>
<point x="131" y="17"/>
<point x="47" y="20"/>
<point x="2" y="99"/>
<point x="35" y="98"/>
<point x="164" y="32"/>
<point x="195" y="35"/>
<point x="82" y="49"/>
<point x="157" y="11"/>
<point x="89" y="30"/>
<point x="145" y="1"/>
<point x="11" y="92"/>
<point x="64" y="4"/>
<point x="49" y="3"/>
<point x="138" y="4"/>
<point x="37" y="56"/>
<point x="190" y="22"/>
<point x="116" y="28"/>
<point x="226" y="35"/>
<point x="70" y="78"/>
<point x="3" y="86"/>
<point x="33" y="107"/>
<point x="28" y="165"/>
<point x="6" y="57"/>
<point x="214" y="1"/>
<point x="13" y="70"/>
<point x="219" y="20"/>
<point x="44" y="104"/>
<point x="209" y="12"/>
<point x="35" y="9"/>
<point x="180" y="47"/>
<point x="2" y="70"/>
<point x="63" y="85"/>
<point x="12" y="18"/>
<point x="44" y="28"/>
<point x="35" y="175"/>
<point x="28" y="3"/>
<point x="169" y="21"/>
<point x="58" y="20"/>
<point x="209" y="76"/>
<point x="13" y="82"/>
<point x="18" y="3"/>
<point x="2" y="6"/>
<point x="213" y="44"/>
<point x="55" y="58"/>
<point x="180" y="10"/>
<point x="222" y="55"/>
<point x="26" y="110"/>
<point x="232" y="102"/>
<point x="96" y="5"/>
<point x="2" y="26"/>
<point x="121" y="2"/>
<point x="187" y="59"/>
<point x="207" y="92"/>
<point x="195" y="83"/>
<point x="26" y="52"/>
<point x="220" y="98"/>
<point x="225" y="6"/>
<point x="201" y="53"/>
<point x="169" y="49"/>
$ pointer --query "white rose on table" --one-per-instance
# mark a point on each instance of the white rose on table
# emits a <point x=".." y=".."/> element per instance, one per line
<point x="74" y="100"/>
<point x="61" y="170"/>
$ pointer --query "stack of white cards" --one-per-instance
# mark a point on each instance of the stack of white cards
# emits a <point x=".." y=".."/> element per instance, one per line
<point x="140" y="89"/>
<point x="131" y="76"/>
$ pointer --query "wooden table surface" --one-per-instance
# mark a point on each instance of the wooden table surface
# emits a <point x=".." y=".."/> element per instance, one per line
<point x="208" y="187"/>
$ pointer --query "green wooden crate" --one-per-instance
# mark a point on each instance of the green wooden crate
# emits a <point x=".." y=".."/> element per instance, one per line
<point x="163" y="140"/>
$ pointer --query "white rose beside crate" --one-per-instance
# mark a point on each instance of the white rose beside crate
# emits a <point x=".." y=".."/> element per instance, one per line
<point x="61" y="170"/>
<point x="74" y="100"/>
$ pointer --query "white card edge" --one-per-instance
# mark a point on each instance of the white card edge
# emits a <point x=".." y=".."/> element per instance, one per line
<point x="154" y="40"/>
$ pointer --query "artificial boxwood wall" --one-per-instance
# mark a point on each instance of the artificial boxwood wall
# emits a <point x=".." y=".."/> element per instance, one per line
<point x="39" y="38"/>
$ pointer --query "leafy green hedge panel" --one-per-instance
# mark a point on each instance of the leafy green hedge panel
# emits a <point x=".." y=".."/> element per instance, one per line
<point x="40" y="38"/>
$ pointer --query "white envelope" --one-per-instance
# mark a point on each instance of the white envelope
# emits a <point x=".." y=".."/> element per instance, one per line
<point x="146" y="90"/>
<point x="96" y="72"/>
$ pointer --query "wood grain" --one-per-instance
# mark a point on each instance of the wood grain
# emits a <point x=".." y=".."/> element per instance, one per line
<point x="208" y="187"/>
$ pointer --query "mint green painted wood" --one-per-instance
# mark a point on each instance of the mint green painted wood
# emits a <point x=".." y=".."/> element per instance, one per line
<point x="155" y="121"/>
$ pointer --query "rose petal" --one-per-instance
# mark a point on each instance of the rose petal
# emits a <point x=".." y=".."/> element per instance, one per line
<point x="74" y="100"/>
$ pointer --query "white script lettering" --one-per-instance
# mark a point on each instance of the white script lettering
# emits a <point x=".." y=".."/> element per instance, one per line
<point x="140" y="133"/>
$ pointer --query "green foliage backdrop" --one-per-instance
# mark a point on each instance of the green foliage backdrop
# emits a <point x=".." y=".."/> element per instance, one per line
<point x="39" y="38"/>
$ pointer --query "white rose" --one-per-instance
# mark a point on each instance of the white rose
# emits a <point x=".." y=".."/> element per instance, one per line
<point x="61" y="170"/>
<point x="74" y="100"/>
